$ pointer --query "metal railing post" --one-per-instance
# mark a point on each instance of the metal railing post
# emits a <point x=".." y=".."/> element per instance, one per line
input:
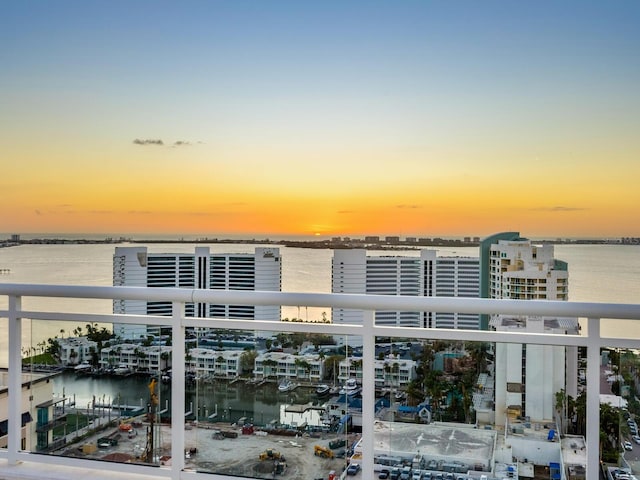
<point x="177" y="389"/>
<point x="14" y="426"/>
<point x="593" y="398"/>
<point x="368" y="392"/>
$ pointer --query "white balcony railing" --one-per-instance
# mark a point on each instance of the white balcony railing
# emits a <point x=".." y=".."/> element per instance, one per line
<point x="17" y="460"/>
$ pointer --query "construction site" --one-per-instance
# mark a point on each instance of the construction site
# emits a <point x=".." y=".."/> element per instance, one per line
<point x="223" y="448"/>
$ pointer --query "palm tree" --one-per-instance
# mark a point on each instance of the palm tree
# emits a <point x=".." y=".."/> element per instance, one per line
<point x="435" y="389"/>
<point x="164" y="357"/>
<point x="247" y="361"/>
<point x="478" y="353"/>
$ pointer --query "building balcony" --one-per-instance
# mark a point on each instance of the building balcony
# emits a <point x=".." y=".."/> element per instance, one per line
<point x="198" y="439"/>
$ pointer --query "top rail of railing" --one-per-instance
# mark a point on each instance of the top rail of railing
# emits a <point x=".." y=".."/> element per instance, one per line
<point x="333" y="300"/>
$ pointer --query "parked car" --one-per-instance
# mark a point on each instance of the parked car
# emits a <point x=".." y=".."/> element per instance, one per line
<point x="384" y="473"/>
<point x="636" y="439"/>
<point x="353" y="468"/>
<point x="627" y="445"/>
<point x="405" y="473"/>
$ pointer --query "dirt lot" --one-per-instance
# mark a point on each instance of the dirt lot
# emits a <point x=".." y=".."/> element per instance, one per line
<point x="213" y="452"/>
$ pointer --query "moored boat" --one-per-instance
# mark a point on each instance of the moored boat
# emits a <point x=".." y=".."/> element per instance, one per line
<point x="323" y="390"/>
<point x="286" y="385"/>
<point x="84" y="367"/>
<point x="350" y="387"/>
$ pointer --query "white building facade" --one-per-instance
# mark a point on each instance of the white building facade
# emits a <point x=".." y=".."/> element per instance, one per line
<point x="76" y="350"/>
<point x="390" y="372"/>
<point x="207" y="363"/>
<point x="527" y="376"/>
<point x="450" y="277"/>
<point x="136" y="266"/>
<point x="37" y="411"/>
<point x="521" y="270"/>
<point x="353" y="271"/>
<point x="132" y="358"/>
<point x="280" y="365"/>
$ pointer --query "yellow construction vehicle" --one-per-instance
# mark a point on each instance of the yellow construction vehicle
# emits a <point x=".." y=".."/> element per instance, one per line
<point x="270" y="454"/>
<point x="324" y="452"/>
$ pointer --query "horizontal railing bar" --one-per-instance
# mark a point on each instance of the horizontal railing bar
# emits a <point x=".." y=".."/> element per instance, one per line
<point x="334" y="300"/>
<point x="95" y="317"/>
<point x="614" y="342"/>
<point x="481" y="335"/>
<point x="326" y="328"/>
<point x="129" y="468"/>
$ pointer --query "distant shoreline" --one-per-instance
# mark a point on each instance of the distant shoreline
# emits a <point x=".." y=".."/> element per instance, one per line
<point x="336" y="243"/>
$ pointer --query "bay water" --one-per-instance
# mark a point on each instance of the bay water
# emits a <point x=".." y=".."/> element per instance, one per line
<point x="597" y="273"/>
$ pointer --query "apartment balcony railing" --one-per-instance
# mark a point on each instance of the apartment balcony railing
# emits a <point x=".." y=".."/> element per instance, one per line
<point x="17" y="461"/>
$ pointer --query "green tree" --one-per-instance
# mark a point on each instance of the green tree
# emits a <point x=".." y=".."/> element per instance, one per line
<point x="332" y="367"/>
<point x="248" y="360"/>
<point x="478" y="353"/>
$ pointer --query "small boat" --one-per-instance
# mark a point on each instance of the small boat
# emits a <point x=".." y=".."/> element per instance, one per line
<point x="350" y="387"/>
<point x="286" y="386"/>
<point x="322" y="390"/>
<point x="84" y="367"/>
<point x="122" y="370"/>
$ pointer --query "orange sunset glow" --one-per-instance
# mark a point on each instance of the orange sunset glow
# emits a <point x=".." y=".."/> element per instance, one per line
<point x="321" y="119"/>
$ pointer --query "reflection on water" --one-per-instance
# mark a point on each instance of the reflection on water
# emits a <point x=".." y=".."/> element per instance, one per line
<point x="213" y="401"/>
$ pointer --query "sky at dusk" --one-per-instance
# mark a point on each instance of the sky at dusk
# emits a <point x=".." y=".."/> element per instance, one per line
<point x="333" y="118"/>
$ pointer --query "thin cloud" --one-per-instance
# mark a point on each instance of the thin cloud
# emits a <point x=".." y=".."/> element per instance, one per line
<point x="181" y="143"/>
<point x="38" y="212"/>
<point x="560" y="208"/>
<point x="148" y="141"/>
<point x="409" y="206"/>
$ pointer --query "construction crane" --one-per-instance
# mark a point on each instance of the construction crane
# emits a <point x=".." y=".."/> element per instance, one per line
<point x="153" y="403"/>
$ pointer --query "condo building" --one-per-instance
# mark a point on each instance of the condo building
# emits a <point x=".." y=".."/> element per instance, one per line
<point x="136" y="266"/>
<point x="527" y="376"/>
<point x="353" y="271"/>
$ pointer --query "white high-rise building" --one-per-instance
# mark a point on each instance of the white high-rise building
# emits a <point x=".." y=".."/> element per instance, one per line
<point x="353" y="271"/>
<point x="527" y="377"/>
<point x="136" y="266"/>
<point x="450" y="277"/>
<point x="521" y="270"/>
